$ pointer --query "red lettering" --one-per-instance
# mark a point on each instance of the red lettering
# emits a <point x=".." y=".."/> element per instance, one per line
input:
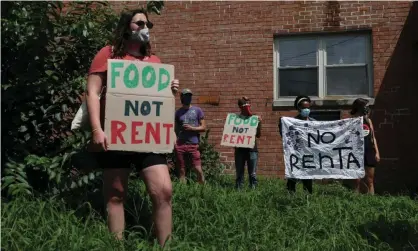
<point x="226" y="137"/>
<point x="155" y="132"/>
<point x="249" y="139"/>
<point x="168" y="127"/>
<point x="135" y="132"/>
<point x="231" y="140"/>
<point x="116" y="130"/>
<point x="241" y="138"/>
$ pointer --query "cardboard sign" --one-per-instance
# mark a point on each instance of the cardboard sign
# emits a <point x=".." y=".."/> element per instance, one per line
<point x="140" y="107"/>
<point x="239" y="131"/>
<point x="323" y="149"/>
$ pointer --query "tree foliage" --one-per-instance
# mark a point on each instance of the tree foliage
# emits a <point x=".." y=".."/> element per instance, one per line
<point x="47" y="49"/>
<point x="46" y="52"/>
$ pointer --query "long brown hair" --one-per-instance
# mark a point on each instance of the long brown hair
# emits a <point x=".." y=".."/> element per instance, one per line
<point x="123" y="32"/>
<point x="358" y="105"/>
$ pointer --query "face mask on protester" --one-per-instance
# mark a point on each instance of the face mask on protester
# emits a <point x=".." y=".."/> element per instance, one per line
<point x="141" y="36"/>
<point x="186" y="99"/>
<point x="305" y="112"/>
<point x="246" y="110"/>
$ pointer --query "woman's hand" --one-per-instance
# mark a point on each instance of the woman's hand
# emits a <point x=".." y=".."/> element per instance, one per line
<point x="99" y="140"/>
<point x="175" y="86"/>
<point x="378" y="157"/>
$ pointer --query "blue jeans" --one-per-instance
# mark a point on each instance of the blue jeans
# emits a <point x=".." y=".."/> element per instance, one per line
<point x="243" y="156"/>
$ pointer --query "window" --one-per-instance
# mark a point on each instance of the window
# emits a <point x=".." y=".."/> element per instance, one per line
<point x="323" y="67"/>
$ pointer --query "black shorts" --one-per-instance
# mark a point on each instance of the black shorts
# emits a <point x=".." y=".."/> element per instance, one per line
<point x="370" y="158"/>
<point x="140" y="161"/>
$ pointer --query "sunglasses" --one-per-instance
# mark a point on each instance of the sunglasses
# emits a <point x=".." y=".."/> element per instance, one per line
<point x="142" y="23"/>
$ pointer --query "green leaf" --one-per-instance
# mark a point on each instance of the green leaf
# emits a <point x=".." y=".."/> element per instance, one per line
<point x="52" y="175"/>
<point x="54" y="165"/>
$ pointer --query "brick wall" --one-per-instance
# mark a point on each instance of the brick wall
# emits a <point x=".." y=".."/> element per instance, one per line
<point x="226" y="49"/>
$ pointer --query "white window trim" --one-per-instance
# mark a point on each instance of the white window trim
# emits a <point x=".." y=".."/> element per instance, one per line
<point x="322" y="99"/>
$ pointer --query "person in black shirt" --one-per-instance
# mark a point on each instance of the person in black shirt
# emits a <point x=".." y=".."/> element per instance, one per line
<point x="371" y="151"/>
<point x="247" y="155"/>
<point x="303" y="105"/>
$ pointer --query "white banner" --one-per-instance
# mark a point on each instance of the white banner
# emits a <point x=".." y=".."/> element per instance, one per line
<point x="323" y="149"/>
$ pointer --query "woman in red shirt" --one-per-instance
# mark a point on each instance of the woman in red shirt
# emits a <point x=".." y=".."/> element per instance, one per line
<point x="131" y="43"/>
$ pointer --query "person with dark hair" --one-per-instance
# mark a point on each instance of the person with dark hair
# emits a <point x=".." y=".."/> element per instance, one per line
<point x="302" y="104"/>
<point x="360" y="108"/>
<point x="247" y="155"/>
<point x="190" y="122"/>
<point x="131" y="42"/>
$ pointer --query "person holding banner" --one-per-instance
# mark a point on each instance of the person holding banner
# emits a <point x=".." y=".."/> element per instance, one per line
<point x="302" y="104"/>
<point x="189" y="122"/>
<point x="131" y="42"/>
<point x="247" y="155"/>
<point x="360" y="108"/>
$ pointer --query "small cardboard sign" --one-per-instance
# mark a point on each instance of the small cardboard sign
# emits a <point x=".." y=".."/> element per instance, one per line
<point x="239" y="131"/>
<point x="140" y="107"/>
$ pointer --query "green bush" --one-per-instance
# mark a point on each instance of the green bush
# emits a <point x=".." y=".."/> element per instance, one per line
<point x="47" y="49"/>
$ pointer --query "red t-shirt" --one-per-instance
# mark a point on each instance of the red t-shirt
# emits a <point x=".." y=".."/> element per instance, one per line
<point x="99" y="65"/>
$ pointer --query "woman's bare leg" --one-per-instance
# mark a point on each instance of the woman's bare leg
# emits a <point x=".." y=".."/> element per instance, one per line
<point x="357" y="185"/>
<point x="370" y="179"/>
<point x="115" y="186"/>
<point x="158" y="182"/>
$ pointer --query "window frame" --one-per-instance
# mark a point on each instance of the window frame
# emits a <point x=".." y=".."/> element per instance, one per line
<point x="322" y="99"/>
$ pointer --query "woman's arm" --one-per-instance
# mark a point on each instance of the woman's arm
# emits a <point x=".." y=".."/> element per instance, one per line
<point x="94" y="88"/>
<point x="374" y="139"/>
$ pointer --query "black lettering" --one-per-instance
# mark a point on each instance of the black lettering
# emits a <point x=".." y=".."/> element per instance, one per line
<point x="293" y="164"/>
<point x="235" y="129"/>
<point x="354" y="160"/>
<point x="340" y="149"/>
<point x="328" y="142"/>
<point x="305" y="161"/>
<point x="145" y="108"/>
<point x="325" y="157"/>
<point x="313" y="138"/>
<point x="129" y="106"/>
<point x="158" y="104"/>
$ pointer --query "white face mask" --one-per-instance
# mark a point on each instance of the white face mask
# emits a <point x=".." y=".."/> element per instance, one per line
<point x="141" y="35"/>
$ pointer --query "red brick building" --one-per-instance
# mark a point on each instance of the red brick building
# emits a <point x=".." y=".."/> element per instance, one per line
<point x="273" y="51"/>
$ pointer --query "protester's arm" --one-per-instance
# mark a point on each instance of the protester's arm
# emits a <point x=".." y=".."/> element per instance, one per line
<point x="258" y="134"/>
<point x="374" y="140"/>
<point x="201" y="127"/>
<point x="202" y="122"/>
<point x="94" y="88"/>
<point x="177" y="126"/>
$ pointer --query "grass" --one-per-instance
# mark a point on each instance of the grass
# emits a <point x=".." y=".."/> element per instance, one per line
<point x="220" y="218"/>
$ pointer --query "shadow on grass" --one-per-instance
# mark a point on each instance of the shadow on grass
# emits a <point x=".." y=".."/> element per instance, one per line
<point x="399" y="235"/>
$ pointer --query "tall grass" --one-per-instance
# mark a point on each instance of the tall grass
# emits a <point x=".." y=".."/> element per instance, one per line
<point x="220" y="218"/>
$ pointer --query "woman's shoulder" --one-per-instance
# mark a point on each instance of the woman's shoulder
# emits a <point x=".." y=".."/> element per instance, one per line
<point x="99" y="63"/>
<point x="154" y="59"/>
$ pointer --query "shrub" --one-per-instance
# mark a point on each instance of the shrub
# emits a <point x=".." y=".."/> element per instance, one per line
<point x="211" y="163"/>
<point x="47" y="48"/>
